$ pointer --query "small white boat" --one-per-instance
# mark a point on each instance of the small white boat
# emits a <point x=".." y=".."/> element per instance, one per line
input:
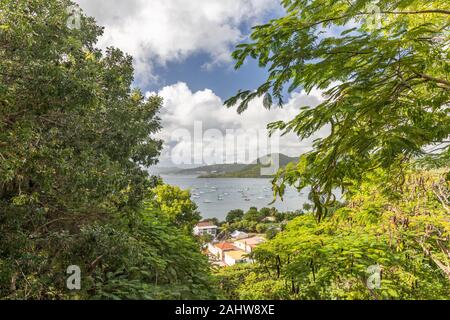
<point x="207" y="201"/>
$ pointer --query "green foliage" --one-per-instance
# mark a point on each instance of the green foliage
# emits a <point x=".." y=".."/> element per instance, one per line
<point x="234" y="216"/>
<point x="73" y="133"/>
<point x="245" y="171"/>
<point x="74" y="138"/>
<point x="260" y="221"/>
<point x="176" y="206"/>
<point x="254" y="215"/>
<point x="386" y="88"/>
<point x="231" y="278"/>
<point x="271" y="232"/>
<point x="406" y="232"/>
<point x="159" y="262"/>
<point x="150" y="260"/>
<point x="386" y="102"/>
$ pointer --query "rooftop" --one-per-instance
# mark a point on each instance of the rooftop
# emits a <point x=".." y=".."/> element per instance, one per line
<point x="206" y="224"/>
<point x="224" y="246"/>
<point x="252" y="241"/>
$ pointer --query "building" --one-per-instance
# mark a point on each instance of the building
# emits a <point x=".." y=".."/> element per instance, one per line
<point x="228" y="253"/>
<point x="239" y="235"/>
<point x="247" y="245"/>
<point x="235" y="256"/>
<point x="205" y="227"/>
<point x="218" y="250"/>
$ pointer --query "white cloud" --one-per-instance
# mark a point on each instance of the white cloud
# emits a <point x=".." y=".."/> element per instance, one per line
<point x="159" y="31"/>
<point x="183" y="108"/>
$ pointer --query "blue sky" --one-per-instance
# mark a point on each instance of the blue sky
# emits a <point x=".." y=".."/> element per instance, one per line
<point x="224" y="80"/>
<point x="182" y="52"/>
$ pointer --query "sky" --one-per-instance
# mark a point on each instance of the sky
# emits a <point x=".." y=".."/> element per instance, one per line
<point x="182" y="52"/>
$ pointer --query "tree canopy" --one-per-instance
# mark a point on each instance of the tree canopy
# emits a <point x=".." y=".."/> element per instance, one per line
<point x="74" y="138"/>
<point x="234" y="215"/>
<point x="404" y="236"/>
<point x="383" y="69"/>
<point x="176" y="206"/>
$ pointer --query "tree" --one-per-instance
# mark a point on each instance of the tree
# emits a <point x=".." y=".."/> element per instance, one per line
<point x="267" y="212"/>
<point x="271" y="232"/>
<point x="74" y="141"/>
<point x="386" y="103"/>
<point x="384" y="74"/>
<point x="215" y="221"/>
<point x="234" y="216"/>
<point x="307" y="207"/>
<point x="253" y="215"/>
<point x="261" y="228"/>
<point x="404" y="235"/>
<point x="176" y="206"/>
<point x="77" y="142"/>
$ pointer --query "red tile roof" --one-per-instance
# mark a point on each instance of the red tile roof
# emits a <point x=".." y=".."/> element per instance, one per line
<point x="225" y="246"/>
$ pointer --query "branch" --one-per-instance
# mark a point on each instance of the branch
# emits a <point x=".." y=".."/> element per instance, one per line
<point x="430" y="78"/>
<point x="439" y="264"/>
<point x="438" y="11"/>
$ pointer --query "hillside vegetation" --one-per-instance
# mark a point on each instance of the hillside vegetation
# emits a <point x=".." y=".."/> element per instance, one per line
<point x="74" y="138"/>
<point x="383" y="68"/>
<point x="253" y="170"/>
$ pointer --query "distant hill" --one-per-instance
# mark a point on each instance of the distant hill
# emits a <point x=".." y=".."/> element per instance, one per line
<point x="252" y="170"/>
<point x="235" y="170"/>
<point x="216" y="169"/>
<point x="163" y="170"/>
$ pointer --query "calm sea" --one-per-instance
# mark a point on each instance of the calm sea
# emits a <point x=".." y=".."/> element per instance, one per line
<point x="216" y="197"/>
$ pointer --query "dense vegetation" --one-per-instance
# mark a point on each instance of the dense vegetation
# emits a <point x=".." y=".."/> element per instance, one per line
<point x="384" y="72"/>
<point x="74" y="137"/>
<point x="386" y="86"/>
<point x="268" y="221"/>
<point x="404" y="234"/>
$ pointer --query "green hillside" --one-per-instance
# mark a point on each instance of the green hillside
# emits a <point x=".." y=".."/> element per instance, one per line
<point x="253" y="170"/>
<point x="216" y="169"/>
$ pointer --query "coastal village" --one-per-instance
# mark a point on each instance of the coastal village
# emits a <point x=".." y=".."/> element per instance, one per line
<point x="234" y="250"/>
